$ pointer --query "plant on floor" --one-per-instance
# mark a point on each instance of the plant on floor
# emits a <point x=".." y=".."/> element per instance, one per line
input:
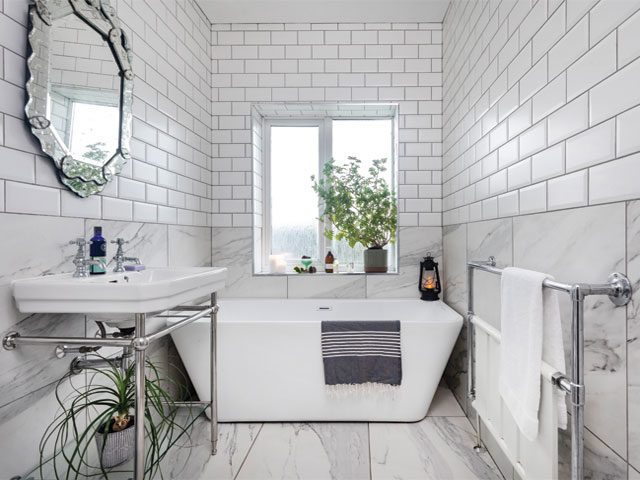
<point x="358" y="208"/>
<point x="99" y="412"/>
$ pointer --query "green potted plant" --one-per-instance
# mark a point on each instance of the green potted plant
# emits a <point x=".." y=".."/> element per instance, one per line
<point x="359" y="208"/>
<point x="99" y="413"/>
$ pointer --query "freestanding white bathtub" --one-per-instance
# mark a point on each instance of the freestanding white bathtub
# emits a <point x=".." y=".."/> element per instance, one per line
<point x="270" y="365"/>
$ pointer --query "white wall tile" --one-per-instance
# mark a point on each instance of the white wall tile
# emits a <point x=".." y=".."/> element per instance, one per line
<point x="533" y="199"/>
<point x="628" y="140"/>
<point x="31" y="199"/>
<point x="568" y="191"/>
<point x="549" y="163"/>
<point x="594" y="66"/>
<point x="117" y="209"/>
<point x="593" y="146"/>
<point x="607" y="15"/>
<point x="615" y="180"/>
<point x="570" y="119"/>
<point x="615" y="94"/>
<point x="574" y="44"/>
<point x="629" y="40"/>
<point x="75" y="206"/>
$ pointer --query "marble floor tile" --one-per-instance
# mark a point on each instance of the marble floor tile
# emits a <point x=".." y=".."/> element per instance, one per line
<point x="309" y="451"/>
<point x="234" y="443"/>
<point x="444" y="404"/>
<point x="435" y="448"/>
<point x="600" y="462"/>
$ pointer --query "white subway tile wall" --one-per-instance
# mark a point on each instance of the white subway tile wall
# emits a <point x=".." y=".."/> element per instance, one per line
<point x="172" y="124"/>
<point x="550" y="89"/>
<point x="327" y="63"/>
<point x="162" y="201"/>
<point x="545" y="94"/>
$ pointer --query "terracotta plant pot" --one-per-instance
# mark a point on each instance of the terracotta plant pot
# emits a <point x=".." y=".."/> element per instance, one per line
<point x="116" y="447"/>
<point x="375" y="260"/>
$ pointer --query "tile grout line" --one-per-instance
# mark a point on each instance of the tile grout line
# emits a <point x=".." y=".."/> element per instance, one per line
<point x="248" y="452"/>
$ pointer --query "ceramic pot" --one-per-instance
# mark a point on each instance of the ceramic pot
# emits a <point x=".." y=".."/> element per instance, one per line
<point x="116" y="447"/>
<point x="375" y="260"/>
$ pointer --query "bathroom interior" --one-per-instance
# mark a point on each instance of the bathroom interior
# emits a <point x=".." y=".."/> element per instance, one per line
<point x="320" y="239"/>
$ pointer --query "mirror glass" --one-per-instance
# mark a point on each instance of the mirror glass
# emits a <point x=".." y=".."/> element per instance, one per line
<point x="84" y="91"/>
<point x="80" y="90"/>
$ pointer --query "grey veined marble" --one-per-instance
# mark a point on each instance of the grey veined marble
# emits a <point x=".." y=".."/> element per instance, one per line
<point x="633" y="332"/>
<point x="308" y="451"/>
<point x="435" y="448"/>
<point x="586" y="245"/>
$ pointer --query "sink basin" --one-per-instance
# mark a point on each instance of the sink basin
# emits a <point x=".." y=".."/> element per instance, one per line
<point x="151" y="290"/>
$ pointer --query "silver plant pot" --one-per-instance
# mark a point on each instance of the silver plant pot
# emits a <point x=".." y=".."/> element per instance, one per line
<point x="375" y="260"/>
<point x="116" y="447"/>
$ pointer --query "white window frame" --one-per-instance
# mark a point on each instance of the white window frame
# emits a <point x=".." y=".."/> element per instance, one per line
<point x="325" y="147"/>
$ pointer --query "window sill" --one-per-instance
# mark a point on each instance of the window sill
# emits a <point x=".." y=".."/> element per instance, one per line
<point x="320" y="274"/>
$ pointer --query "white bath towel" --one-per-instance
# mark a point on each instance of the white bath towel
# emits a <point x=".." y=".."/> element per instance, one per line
<point x="530" y="332"/>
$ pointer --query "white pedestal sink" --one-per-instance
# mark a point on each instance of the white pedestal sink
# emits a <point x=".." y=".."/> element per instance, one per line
<point x="148" y="291"/>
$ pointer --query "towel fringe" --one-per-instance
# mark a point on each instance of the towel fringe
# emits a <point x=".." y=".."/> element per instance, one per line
<point x="362" y="390"/>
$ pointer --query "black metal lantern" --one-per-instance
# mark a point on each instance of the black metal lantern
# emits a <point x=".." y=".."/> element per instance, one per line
<point x="429" y="282"/>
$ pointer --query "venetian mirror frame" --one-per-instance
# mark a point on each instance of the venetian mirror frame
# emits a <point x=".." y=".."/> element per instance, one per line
<point x="82" y="177"/>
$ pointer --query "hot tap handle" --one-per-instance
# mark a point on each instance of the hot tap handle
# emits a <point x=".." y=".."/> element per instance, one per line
<point x="78" y="241"/>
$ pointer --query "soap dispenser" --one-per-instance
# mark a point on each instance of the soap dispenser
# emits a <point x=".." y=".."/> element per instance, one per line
<point x="98" y="251"/>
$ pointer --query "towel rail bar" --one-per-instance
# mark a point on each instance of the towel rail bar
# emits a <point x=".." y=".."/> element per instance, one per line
<point x="618" y="289"/>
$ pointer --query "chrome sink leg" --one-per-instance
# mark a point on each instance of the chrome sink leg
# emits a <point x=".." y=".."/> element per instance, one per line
<point x="140" y="343"/>
<point x="213" y="373"/>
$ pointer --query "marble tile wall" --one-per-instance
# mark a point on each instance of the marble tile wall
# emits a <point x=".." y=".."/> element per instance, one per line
<point x="537" y="157"/>
<point x="165" y="213"/>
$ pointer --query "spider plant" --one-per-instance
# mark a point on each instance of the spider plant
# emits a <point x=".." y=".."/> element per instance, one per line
<point x="103" y="405"/>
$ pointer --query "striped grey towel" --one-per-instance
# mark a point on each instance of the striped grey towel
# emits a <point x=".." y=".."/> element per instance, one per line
<point x="361" y="352"/>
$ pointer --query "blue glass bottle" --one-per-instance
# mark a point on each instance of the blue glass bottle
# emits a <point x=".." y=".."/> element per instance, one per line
<point x="98" y="251"/>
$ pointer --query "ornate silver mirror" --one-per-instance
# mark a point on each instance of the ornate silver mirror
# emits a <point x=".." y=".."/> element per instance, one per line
<point x="80" y="90"/>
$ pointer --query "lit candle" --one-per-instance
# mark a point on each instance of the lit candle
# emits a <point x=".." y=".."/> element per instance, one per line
<point x="277" y="264"/>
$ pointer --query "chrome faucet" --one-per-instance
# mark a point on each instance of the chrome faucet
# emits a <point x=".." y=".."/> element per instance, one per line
<point x="81" y="261"/>
<point x="120" y="258"/>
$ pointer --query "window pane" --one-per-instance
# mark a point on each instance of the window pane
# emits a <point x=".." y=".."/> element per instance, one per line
<point x="294" y="204"/>
<point x="94" y="131"/>
<point x="367" y="140"/>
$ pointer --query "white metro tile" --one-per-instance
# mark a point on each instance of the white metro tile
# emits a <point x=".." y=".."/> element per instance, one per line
<point x="116" y="209"/>
<point x="568" y="191"/>
<point x="592" y="146"/>
<point x="629" y="40"/>
<point x="550" y="98"/>
<point x="145" y="212"/>
<point x="628" y="140"/>
<point x="616" y="94"/>
<point x="533" y="140"/>
<point x="17" y="165"/>
<point x="607" y="15"/>
<point x="548" y="163"/>
<point x="519" y="174"/>
<point x="569" y="48"/>
<point x="597" y="64"/>
<point x="490" y="208"/>
<point x="75" y="206"/>
<point x="508" y="204"/>
<point x="570" y="119"/>
<point x="533" y="199"/>
<point x="33" y="199"/>
<point x="1" y="195"/>
<point x="615" y="180"/>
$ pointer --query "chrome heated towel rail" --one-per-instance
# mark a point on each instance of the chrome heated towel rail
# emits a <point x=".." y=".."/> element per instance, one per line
<point x="617" y="288"/>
